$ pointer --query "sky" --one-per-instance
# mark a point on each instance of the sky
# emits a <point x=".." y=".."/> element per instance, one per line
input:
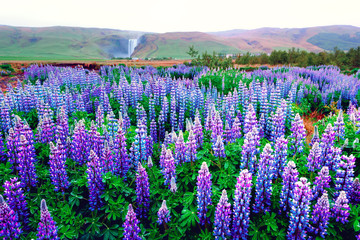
<point x="180" y="15"/>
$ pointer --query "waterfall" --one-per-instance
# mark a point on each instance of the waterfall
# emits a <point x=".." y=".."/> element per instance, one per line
<point x="131" y="46"/>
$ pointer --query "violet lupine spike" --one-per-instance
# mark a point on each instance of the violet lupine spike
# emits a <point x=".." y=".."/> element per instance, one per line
<point x="173" y="186"/>
<point x="280" y="156"/>
<point x="168" y="170"/>
<point x="277" y="124"/>
<point x="218" y="148"/>
<point x="315" y="137"/>
<point x="242" y="198"/>
<point x="321" y="182"/>
<point x="355" y="192"/>
<point x="16" y="199"/>
<point x="204" y="193"/>
<point x="345" y="174"/>
<point x="95" y="184"/>
<point x="216" y="128"/>
<point x="264" y="175"/>
<point x="121" y="158"/>
<point x="140" y="143"/>
<point x="228" y="136"/>
<point x="320" y="216"/>
<point x="162" y="156"/>
<point x="10" y="227"/>
<point x="290" y="177"/>
<point x="26" y="159"/>
<point x="107" y="158"/>
<point x="250" y="119"/>
<point x="248" y="152"/>
<point x="339" y="126"/>
<point x="12" y="147"/>
<point x="47" y="227"/>
<point x="298" y="134"/>
<point x="198" y="132"/>
<point x="131" y="225"/>
<point x="2" y="149"/>
<point x="314" y="158"/>
<point x="191" y="148"/>
<point x="150" y="162"/>
<point x="300" y="208"/>
<point x="236" y="129"/>
<point x="180" y="149"/>
<point x="163" y="214"/>
<point x="142" y="192"/>
<point x="222" y="218"/>
<point x="80" y="144"/>
<point x="57" y="164"/>
<point x="327" y="144"/>
<point x="340" y="210"/>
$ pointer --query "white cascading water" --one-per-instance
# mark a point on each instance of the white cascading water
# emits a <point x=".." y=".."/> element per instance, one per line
<point x="131" y="46"/>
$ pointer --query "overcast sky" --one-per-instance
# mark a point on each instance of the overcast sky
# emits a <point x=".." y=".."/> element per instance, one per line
<point x="180" y="15"/>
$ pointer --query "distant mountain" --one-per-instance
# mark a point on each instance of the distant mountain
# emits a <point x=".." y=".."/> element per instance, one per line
<point x="95" y="43"/>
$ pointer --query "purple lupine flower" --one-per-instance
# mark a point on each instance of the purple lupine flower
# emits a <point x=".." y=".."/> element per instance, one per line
<point x="15" y="197"/>
<point x="46" y="130"/>
<point x="335" y="158"/>
<point x="163" y="214"/>
<point x="321" y="181"/>
<point x="339" y="126"/>
<point x="47" y="227"/>
<point x="298" y="134"/>
<point x="280" y="155"/>
<point x="162" y="156"/>
<point x="173" y="186"/>
<point x="355" y="192"/>
<point x="218" y="148"/>
<point x="228" y="136"/>
<point x="300" y="208"/>
<point x="216" y="128"/>
<point x="204" y="193"/>
<point x="198" y="132"/>
<point x="326" y="145"/>
<point x="9" y="222"/>
<point x="80" y="144"/>
<point x="341" y="208"/>
<point x="57" y="161"/>
<point x="153" y="131"/>
<point x="248" y="152"/>
<point x="314" y="158"/>
<point x="263" y="181"/>
<point x="121" y="158"/>
<point x="277" y="124"/>
<point x="180" y="149"/>
<point x="250" y="119"/>
<point x="345" y="174"/>
<point x="95" y="184"/>
<point x="169" y="168"/>
<point x="2" y="149"/>
<point x="107" y="158"/>
<point x="320" y="216"/>
<point x="241" y="210"/>
<point x="236" y="129"/>
<point x="140" y="143"/>
<point x="222" y="218"/>
<point x="315" y="137"/>
<point x="131" y="225"/>
<point x="262" y="125"/>
<point x="142" y="192"/>
<point x="290" y="177"/>
<point x="191" y="148"/>
<point x="12" y="147"/>
<point x="150" y="162"/>
<point x="26" y="159"/>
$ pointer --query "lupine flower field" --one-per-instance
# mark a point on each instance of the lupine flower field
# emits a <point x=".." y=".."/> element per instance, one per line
<point x="180" y="153"/>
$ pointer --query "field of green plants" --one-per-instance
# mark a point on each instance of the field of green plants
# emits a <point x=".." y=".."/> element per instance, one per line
<point x="180" y="153"/>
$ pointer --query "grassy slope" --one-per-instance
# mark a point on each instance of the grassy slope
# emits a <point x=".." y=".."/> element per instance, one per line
<point x="177" y="48"/>
<point x="56" y="43"/>
<point x="329" y="41"/>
